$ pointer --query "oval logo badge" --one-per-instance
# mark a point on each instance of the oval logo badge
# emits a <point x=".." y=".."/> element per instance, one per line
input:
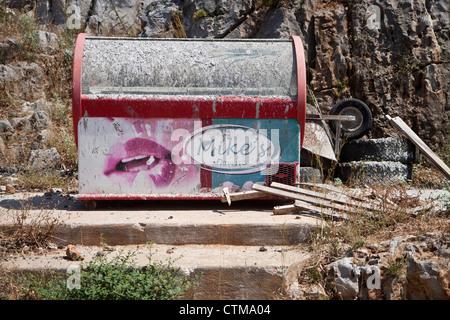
<point x="233" y="149"/>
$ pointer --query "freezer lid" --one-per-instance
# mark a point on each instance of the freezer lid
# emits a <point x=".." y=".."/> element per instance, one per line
<point x="189" y="67"/>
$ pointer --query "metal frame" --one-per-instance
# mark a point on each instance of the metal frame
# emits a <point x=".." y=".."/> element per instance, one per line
<point x="224" y="107"/>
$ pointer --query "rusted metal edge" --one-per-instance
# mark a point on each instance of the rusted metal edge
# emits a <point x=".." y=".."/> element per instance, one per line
<point x="86" y="197"/>
<point x="187" y="39"/>
<point x="76" y="84"/>
<point x="301" y="85"/>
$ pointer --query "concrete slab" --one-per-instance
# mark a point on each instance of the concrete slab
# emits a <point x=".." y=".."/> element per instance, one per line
<point x="162" y="222"/>
<point x="225" y="272"/>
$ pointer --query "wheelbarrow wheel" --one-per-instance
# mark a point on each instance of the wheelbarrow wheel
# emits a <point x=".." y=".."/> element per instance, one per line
<point x="352" y="129"/>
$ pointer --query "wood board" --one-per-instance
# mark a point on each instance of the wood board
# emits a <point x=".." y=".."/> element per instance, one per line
<point x="400" y="125"/>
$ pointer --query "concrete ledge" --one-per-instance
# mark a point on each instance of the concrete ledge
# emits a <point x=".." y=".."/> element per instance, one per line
<point x="166" y="222"/>
<point x="225" y="272"/>
<point x="230" y="233"/>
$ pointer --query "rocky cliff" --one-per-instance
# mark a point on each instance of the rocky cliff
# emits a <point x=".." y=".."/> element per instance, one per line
<point x="392" y="54"/>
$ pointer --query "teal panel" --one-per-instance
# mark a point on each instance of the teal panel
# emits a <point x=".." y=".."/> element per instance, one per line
<point x="286" y="131"/>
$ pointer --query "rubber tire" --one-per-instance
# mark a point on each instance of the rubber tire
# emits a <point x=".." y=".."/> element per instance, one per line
<point x="367" y="119"/>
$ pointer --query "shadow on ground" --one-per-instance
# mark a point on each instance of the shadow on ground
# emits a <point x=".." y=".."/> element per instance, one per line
<point x="69" y="203"/>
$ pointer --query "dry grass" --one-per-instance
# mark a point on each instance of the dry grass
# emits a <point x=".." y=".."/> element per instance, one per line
<point x="29" y="230"/>
<point x="44" y="180"/>
<point x="335" y="239"/>
<point x="61" y="132"/>
<point x="57" y="71"/>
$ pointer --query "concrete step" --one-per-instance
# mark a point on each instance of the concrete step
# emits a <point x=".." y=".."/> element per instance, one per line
<point x="220" y="243"/>
<point x="226" y="272"/>
<point x="163" y="222"/>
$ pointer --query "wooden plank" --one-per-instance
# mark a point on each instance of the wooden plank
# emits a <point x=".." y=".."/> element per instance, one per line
<point x="304" y="206"/>
<point x="367" y="197"/>
<point x="226" y="194"/>
<point x="342" y="199"/>
<point x="399" y="124"/>
<point x="292" y="195"/>
<point x="353" y="193"/>
<point x="285" y="209"/>
<point x="243" y="195"/>
<point x="319" y="210"/>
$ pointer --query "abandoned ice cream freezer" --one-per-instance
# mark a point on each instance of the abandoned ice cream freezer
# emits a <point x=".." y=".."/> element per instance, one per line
<point x="183" y="118"/>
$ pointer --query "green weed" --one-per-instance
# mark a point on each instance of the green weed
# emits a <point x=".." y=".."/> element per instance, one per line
<point x="201" y="13"/>
<point x="115" y="278"/>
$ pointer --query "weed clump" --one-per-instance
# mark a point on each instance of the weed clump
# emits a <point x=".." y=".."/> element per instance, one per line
<point x="200" y="14"/>
<point x="115" y="278"/>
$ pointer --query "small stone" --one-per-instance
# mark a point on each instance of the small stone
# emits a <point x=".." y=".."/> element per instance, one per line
<point x="262" y="249"/>
<point x="372" y="262"/>
<point x="56" y="190"/>
<point x="42" y="159"/>
<point x="169" y="251"/>
<point x="100" y="253"/>
<point x="10" y="189"/>
<point x="73" y="254"/>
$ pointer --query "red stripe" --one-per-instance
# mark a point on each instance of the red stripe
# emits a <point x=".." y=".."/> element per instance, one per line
<point x="205" y="196"/>
<point x="206" y="175"/>
<point x="189" y="108"/>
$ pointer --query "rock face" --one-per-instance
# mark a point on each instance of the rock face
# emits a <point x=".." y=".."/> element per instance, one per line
<point x="407" y="267"/>
<point x="23" y="79"/>
<point x="401" y="68"/>
<point x="43" y="159"/>
<point x="393" y="55"/>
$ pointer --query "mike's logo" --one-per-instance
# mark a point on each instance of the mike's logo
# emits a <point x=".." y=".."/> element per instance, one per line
<point x="233" y="149"/>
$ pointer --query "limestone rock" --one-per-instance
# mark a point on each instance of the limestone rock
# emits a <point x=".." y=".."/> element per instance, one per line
<point x="49" y="11"/>
<point x="43" y="159"/>
<point x="157" y="18"/>
<point x="220" y="18"/>
<point x="41" y="140"/>
<point x="23" y="80"/>
<point x="10" y="189"/>
<point x="48" y="42"/>
<point x="73" y="254"/>
<point x="120" y="17"/>
<point x="39" y="120"/>
<point x="344" y="274"/>
<point x="426" y="281"/>
<point x="406" y="267"/>
<point x="5" y="127"/>
<point x="38" y="105"/>
<point x="21" y="123"/>
<point x="9" y="50"/>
